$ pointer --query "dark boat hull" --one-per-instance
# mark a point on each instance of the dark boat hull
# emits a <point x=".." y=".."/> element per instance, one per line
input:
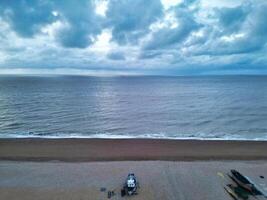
<point x="243" y="182"/>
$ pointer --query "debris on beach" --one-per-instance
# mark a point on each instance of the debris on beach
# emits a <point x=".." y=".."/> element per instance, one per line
<point x="111" y="194"/>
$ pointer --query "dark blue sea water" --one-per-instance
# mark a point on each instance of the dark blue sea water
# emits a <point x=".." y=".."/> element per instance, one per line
<point x="204" y="107"/>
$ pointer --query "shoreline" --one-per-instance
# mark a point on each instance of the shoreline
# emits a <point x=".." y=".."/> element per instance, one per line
<point x="89" y="150"/>
<point x="121" y="137"/>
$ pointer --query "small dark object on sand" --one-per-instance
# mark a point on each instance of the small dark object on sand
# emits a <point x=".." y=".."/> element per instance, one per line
<point x="261" y="176"/>
<point x="109" y="194"/>
<point x="103" y="189"/>
<point x="123" y="192"/>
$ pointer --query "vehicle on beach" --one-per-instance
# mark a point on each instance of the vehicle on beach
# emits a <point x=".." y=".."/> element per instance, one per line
<point x="130" y="185"/>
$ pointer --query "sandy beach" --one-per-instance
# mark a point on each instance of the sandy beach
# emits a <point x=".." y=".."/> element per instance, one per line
<point x="36" y="169"/>
<point x="166" y="180"/>
<point x="77" y="150"/>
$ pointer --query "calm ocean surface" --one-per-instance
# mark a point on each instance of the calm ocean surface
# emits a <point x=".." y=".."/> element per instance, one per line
<point x="204" y="107"/>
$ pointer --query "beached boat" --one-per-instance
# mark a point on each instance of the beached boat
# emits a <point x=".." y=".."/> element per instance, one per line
<point x="130" y="186"/>
<point x="244" y="182"/>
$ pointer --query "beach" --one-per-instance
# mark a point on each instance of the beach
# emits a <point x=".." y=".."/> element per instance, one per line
<point x="168" y="180"/>
<point x="78" y="150"/>
<point x="166" y="169"/>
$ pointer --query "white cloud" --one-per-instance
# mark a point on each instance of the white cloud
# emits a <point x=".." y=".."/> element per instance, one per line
<point x="66" y="71"/>
<point x="232" y="37"/>
<point x="101" y="7"/>
<point x="52" y="29"/>
<point x="220" y="3"/>
<point x="103" y="42"/>
<point x="55" y="13"/>
<point x="169" y="3"/>
<point x="168" y="21"/>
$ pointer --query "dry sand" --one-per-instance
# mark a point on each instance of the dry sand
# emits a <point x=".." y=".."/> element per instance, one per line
<point x="159" y="180"/>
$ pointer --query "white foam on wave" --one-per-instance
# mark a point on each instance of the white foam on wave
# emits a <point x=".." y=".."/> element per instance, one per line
<point x="119" y="136"/>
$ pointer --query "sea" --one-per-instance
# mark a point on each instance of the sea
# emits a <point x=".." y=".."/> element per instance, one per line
<point x="182" y="107"/>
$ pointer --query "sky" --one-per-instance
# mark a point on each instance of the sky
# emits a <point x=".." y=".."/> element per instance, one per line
<point x="133" y="37"/>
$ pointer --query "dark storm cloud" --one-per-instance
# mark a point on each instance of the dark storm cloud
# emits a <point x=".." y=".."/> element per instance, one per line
<point x="130" y="19"/>
<point x="83" y="23"/>
<point x="231" y="19"/>
<point x="193" y="36"/>
<point x="171" y="36"/>
<point x="241" y="30"/>
<point x="258" y="22"/>
<point x="28" y="16"/>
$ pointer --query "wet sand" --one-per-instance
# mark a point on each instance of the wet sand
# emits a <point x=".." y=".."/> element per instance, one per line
<point x="168" y="180"/>
<point x="82" y="150"/>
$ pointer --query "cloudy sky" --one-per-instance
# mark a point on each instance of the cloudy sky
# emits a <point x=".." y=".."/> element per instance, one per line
<point x="159" y="37"/>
